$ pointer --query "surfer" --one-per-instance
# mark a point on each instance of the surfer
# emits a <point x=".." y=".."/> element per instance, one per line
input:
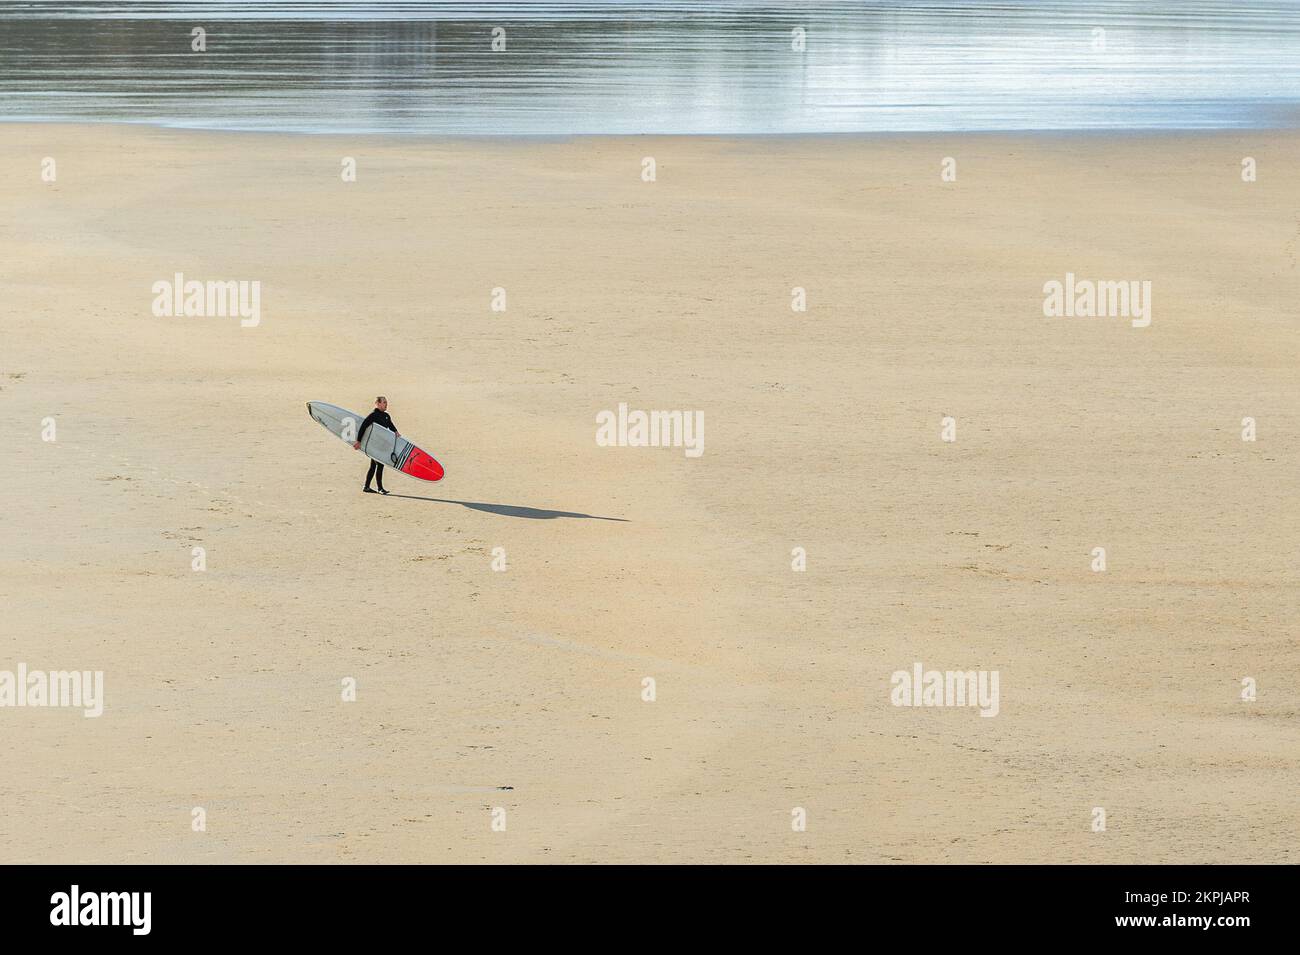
<point x="378" y="416"/>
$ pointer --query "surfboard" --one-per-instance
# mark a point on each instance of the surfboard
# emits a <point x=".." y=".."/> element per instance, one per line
<point x="381" y="444"/>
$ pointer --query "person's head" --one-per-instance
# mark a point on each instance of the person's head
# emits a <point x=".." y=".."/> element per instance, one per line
<point x="381" y="403"/>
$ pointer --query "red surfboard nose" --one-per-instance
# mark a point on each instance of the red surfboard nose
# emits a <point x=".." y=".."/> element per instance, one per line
<point x="423" y="466"/>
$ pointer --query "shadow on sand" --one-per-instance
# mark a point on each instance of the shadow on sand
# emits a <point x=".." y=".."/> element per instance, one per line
<point x="512" y="510"/>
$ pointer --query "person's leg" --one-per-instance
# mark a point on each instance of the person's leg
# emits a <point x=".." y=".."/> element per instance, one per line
<point x="379" y="477"/>
<point x="371" y="473"/>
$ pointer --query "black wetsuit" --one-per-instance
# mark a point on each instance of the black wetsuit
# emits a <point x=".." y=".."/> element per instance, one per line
<point x="376" y="471"/>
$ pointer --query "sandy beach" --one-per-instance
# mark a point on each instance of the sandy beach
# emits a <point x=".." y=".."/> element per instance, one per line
<point x="519" y="694"/>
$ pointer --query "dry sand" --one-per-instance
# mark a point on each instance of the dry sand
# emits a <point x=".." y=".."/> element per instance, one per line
<point x="1118" y="689"/>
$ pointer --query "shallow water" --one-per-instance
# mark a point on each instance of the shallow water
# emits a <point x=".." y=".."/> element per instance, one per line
<point x="613" y="67"/>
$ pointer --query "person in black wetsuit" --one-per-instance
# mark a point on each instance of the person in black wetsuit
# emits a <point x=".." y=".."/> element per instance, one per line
<point x="378" y="416"/>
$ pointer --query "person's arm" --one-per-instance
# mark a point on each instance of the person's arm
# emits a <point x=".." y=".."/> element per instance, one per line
<point x="370" y="419"/>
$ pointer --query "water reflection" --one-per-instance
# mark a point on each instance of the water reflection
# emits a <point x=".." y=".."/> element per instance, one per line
<point x="725" y="67"/>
